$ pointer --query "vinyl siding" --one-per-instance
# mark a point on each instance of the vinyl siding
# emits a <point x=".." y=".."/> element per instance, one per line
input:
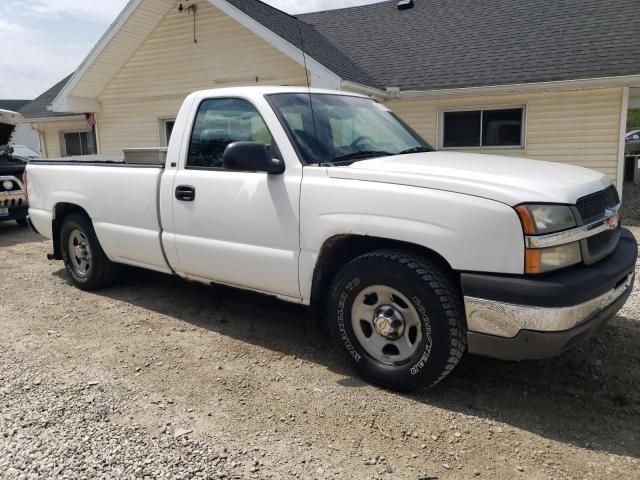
<point x="577" y="127"/>
<point x="131" y="35"/>
<point x="169" y="65"/>
<point x="51" y="134"/>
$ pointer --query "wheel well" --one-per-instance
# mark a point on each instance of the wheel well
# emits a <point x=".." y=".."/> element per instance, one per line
<point x="60" y="212"/>
<point x="340" y="250"/>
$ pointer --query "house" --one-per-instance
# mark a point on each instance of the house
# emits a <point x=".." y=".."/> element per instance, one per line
<point x="529" y="78"/>
<point x="59" y="134"/>
<point x="23" y="134"/>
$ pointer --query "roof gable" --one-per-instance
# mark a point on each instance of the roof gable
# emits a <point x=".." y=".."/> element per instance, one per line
<point x="140" y="17"/>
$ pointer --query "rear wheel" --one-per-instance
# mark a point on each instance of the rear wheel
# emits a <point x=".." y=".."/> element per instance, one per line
<point x="399" y="318"/>
<point x="86" y="262"/>
<point x="22" y="222"/>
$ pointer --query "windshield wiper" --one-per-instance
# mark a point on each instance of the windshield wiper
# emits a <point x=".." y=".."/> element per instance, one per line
<point x="360" y="156"/>
<point x="419" y="149"/>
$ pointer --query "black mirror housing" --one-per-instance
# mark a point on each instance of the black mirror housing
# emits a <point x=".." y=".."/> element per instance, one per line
<point x="251" y="157"/>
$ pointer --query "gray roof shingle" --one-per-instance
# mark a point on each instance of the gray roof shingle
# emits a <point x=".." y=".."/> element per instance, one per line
<point x="13" y="105"/>
<point x="463" y="43"/>
<point x="38" y="108"/>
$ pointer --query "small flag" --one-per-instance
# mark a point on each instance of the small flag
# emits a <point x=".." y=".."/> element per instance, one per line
<point x="91" y="119"/>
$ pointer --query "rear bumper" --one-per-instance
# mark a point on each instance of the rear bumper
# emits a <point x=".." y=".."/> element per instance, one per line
<point x="518" y="318"/>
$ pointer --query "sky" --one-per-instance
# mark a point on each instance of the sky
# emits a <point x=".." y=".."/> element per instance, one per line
<point x="45" y="40"/>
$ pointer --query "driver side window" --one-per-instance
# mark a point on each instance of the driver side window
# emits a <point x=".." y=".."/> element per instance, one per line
<point x="220" y="122"/>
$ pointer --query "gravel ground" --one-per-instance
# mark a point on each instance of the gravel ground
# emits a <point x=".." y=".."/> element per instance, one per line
<point x="631" y="200"/>
<point x="158" y="378"/>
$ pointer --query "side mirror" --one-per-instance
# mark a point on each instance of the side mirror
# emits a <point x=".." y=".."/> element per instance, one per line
<point x="251" y="157"/>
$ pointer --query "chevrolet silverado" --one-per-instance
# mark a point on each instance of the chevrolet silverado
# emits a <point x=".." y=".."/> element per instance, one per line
<point x="410" y="256"/>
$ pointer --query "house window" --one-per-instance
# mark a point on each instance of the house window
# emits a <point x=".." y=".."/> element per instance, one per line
<point x="78" y="143"/>
<point x="498" y="127"/>
<point x="166" y="129"/>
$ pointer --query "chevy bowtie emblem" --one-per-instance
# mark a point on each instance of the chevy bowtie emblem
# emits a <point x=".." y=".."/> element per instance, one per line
<point x="614" y="218"/>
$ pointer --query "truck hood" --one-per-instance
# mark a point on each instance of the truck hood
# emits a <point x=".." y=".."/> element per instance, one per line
<point x="508" y="180"/>
<point x="8" y="122"/>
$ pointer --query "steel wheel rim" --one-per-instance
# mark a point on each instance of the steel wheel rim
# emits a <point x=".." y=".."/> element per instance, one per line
<point x="80" y="253"/>
<point x="386" y="324"/>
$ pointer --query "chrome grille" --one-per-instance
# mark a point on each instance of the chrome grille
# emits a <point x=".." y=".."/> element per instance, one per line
<point x="599" y="243"/>
<point x="11" y="202"/>
<point x="592" y="207"/>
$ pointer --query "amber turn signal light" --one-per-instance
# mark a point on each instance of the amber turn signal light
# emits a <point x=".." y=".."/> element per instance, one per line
<point x="533" y="260"/>
<point x="528" y="223"/>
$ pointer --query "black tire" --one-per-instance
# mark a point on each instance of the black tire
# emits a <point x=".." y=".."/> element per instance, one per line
<point x="101" y="272"/>
<point x="22" y="222"/>
<point x="437" y="302"/>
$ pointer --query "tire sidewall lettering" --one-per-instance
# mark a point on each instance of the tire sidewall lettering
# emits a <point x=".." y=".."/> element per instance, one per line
<point x="344" y="335"/>
<point x="426" y="321"/>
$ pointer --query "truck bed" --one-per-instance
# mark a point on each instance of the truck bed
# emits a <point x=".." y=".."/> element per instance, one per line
<point x="121" y="199"/>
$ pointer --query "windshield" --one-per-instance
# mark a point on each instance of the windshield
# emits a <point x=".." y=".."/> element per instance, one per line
<point x="343" y="129"/>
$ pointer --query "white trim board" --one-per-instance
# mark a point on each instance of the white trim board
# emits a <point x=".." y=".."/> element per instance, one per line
<point x="578" y="84"/>
<point x="623" y="130"/>
<point x="66" y="118"/>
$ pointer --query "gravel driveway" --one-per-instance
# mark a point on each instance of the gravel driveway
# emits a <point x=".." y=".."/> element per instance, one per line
<point x="158" y="378"/>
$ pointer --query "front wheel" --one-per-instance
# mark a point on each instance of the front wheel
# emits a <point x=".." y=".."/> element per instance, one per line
<point x="86" y="262"/>
<point x="399" y="318"/>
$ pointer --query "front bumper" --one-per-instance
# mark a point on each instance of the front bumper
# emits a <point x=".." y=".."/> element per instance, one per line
<point x="15" y="213"/>
<point x="15" y="200"/>
<point x="519" y="318"/>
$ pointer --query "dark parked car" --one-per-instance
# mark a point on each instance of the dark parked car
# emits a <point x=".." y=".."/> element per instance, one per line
<point x="13" y="197"/>
<point x="632" y="140"/>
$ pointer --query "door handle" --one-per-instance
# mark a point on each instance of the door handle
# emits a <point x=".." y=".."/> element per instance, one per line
<point x="186" y="193"/>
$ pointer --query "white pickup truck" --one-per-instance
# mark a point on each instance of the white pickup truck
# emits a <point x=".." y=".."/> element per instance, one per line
<point x="410" y="256"/>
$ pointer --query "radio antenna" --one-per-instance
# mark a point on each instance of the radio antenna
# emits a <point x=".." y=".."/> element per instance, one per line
<point x="306" y="72"/>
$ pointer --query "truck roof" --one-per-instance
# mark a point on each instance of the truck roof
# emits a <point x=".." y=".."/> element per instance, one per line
<point x="254" y="91"/>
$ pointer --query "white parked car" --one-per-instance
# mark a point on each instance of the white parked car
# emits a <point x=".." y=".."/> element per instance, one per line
<point x="23" y="151"/>
<point x="409" y="256"/>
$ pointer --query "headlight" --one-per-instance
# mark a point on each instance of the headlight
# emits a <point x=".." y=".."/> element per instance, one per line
<point x="542" y="260"/>
<point x="539" y="219"/>
<point x="548" y="219"/>
<point x="7" y="185"/>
